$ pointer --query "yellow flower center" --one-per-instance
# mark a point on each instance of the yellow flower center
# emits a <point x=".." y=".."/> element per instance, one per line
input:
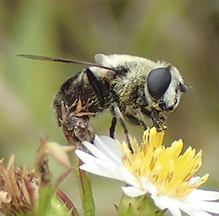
<point x="163" y="166"/>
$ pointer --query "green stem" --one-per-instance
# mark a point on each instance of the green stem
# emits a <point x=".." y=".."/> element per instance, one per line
<point x="85" y="188"/>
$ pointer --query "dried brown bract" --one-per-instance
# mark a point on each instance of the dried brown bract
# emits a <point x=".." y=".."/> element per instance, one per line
<point x="18" y="188"/>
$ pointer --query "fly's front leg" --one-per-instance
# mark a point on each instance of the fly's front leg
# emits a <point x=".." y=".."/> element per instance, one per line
<point x="96" y="84"/>
<point x="136" y="120"/>
<point x="140" y="116"/>
<point x="158" y="119"/>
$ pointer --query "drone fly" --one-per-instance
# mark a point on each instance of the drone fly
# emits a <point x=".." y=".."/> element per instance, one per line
<point x="130" y="87"/>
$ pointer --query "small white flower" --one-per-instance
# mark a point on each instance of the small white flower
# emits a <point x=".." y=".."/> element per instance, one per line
<point x="155" y="169"/>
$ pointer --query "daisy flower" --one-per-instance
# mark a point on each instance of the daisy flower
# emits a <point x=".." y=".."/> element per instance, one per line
<point x="151" y="168"/>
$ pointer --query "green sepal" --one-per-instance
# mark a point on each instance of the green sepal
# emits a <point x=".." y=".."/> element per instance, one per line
<point x="138" y="206"/>
<point x="50" y="205"/>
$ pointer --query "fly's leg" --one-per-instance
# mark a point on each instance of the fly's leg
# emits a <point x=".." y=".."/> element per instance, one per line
<point x="97" y="86"/>
<point x="136" y="120"/>
<point x="112" y="127"/>
<point x="158" y="119"/>
<point x="118" y="115"/>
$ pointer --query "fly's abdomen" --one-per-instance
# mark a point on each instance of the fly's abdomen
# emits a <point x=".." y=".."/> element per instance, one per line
<point x="78" y="88"/>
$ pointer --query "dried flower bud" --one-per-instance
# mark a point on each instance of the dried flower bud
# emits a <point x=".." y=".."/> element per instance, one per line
<point x="18" y="188"/>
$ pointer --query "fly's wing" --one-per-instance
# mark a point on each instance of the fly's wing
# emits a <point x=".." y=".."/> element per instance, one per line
<point x="125" y="66"/>
<point x="116" y="60"/>
<point x="119" y="65"/>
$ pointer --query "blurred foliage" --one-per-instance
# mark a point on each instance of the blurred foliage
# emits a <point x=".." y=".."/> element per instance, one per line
<point x="185" y="33"/>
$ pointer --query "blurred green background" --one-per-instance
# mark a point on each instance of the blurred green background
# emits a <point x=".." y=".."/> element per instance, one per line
<point x="184" y="33"/>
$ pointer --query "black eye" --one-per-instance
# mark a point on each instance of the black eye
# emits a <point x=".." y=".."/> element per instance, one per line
<point x="158" y="82"/>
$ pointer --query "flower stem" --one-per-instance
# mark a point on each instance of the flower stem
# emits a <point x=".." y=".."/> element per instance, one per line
<point x="85" y="188"/>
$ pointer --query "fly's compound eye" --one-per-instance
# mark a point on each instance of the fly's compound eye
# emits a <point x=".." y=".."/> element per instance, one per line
<point x="158" y="82"/>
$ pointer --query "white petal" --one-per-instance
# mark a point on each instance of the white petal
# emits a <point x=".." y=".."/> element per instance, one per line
<point x="89" y="163"/>
<point x="201" y="213"/>
<point x="195" y="202"/>
<point x="212" y="207"/>
<point x="175" y="211"/>
<point x="133" y="191"/>
<point x="112" y="144"/>
<point x="97" y="166"/>
<point x="204" y="194"/>
<point x="114" y="171"/>
<point x="85" y="157"/>
<point x="189" y="208"/>
<point x="162" y="202"/>
<point x="94" y="170"/>
<point x="98" y="153"/>
<point x="128" y="177"/>
<point x="109" y="147"/>
<point x="197" y="207"/>
<point x="105" y="165"/>
<point x="150" y="187"/>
